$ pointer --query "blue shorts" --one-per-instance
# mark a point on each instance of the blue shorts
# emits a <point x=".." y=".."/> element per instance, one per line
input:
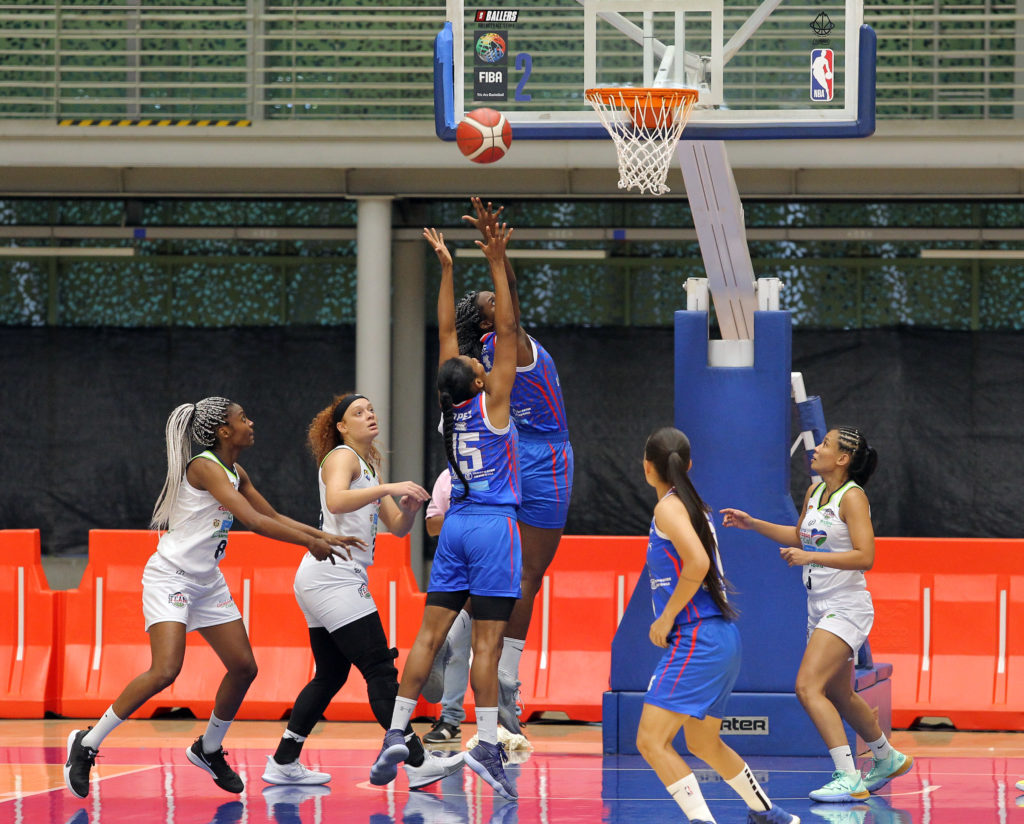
<point x="545" y="476"/>
<point x="479" y="550"/>
<point x="696" y="674"/>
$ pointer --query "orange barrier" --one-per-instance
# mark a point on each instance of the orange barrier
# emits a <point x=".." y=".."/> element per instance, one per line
<point x="949" y="615"/>
<point x="567" y="660"/>
<point x="27" y="664"/>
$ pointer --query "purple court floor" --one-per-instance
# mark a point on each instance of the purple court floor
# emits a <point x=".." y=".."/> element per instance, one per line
<point x="142" y="776"/>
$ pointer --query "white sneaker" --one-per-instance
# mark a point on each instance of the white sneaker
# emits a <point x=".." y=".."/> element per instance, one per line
<point x="287" y="798"/>
<point x="294" y="773"/>
<point x="436" y="765"/>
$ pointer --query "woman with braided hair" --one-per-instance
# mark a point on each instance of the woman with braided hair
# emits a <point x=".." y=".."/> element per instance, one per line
<point x="183" y="588"/>
<point x="478" y="553"/>
<point x="834" y="542"/>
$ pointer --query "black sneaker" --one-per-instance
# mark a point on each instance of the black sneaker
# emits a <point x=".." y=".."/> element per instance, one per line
<point x="443" y="732"/>
<point x="80" y="761"/>
<point x="214" y="763"/>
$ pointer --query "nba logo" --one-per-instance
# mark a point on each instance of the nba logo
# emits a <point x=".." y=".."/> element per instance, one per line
<point x="821" y="75"/>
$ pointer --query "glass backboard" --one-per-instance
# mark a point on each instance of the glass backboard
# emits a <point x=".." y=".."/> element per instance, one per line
<point x="770" y="70"/>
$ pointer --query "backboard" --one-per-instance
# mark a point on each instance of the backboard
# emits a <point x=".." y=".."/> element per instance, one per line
<point x="765" y="70"/>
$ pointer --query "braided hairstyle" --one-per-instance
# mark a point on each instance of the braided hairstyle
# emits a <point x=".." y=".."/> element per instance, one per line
<point x="668" y="450"/>
<point x="454" y="385"/>
<point x="189" y="422"/>
<point x="468" y="318"/>
<point x="323" y="435"/>
<point x="863" y="458"/>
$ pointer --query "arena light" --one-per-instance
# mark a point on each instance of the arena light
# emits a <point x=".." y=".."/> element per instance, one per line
<point x="56" y="251"/>
<point x="542" y="254"/>
<point x="974" y="254"/>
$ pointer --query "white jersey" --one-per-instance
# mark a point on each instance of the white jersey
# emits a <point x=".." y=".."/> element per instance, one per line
<point x="361" y="523"/>
<point x="197" y="533"/>
<point x="822" y="530"/>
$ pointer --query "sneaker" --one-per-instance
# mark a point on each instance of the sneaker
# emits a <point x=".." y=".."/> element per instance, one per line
<point x="776" y="815"/>
<point x="436" y="765"/>
<point x="294" y="773"/>
<point x="442" y="732"/>
<point x="505" y="814"/>
<point x="486" y="760"/>
<point x="79" y="816"/>
<point x="433" y="687"/>
<point x="80" y="761"/>
<point x="844" y="786"/>
<point x="886" y="769"/>
<point x="509" y="708"/>
<point x="841" y="813"/>
<point x="392" y="752"/>
<point x="214" y="763"/>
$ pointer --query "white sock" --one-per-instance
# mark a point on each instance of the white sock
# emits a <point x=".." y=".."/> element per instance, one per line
<point x="687" y="794"/>
<point x="511" y="652"/>
<point x="749" y="790"/>
<point x="402" y="713"/>
<point x="107" y="724"/>
<point x="842" y="757"/>
<point x="214" y="735"/>
<point x="880" y="749"/>
<point x="294" y="736"/>
<point x="487" y="724"/>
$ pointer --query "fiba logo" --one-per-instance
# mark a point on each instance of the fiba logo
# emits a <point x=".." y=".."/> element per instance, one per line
<point x="490" y="47"/>
<point x="822" y="62"/>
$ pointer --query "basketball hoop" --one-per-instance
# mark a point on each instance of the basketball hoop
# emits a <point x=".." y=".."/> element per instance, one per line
<point x="645" y="125"/>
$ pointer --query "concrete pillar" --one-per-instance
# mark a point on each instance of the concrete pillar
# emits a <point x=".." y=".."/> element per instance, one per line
<point x="373" y="310"/>
<point x="409" y="379"/>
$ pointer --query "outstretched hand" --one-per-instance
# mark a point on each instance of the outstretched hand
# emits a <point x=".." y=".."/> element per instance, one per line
<point x="495" y="242"/>
<point x="436" y="240"/>
<point x="486" y="216"/>
<point x="737" y="518"/>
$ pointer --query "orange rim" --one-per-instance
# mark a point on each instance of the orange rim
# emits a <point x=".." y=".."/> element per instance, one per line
<point x="629" y="95"/>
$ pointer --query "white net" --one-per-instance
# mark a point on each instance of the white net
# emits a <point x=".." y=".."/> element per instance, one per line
<point x="645" y="125"/>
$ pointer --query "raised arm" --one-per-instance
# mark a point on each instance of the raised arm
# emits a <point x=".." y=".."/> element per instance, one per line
<point x="446" y="334"/>
<point x="484" y="217"/>
<point x="503" y="372"/>
<point x="779" y="533"/>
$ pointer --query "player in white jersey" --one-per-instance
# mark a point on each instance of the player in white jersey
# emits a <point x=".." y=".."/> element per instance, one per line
<point x="345" y="629"/>
<point x="183" y="588"/>
<point x="835" y="544"/>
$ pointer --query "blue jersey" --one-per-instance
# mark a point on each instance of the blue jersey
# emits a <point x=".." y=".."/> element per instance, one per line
<point x="487" y="456"/>
<point x="664" y="566"/>
<point x="537" y="404"/>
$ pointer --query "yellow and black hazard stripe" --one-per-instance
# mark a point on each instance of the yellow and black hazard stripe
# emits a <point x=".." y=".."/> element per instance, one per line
<point x="128" y="122"/>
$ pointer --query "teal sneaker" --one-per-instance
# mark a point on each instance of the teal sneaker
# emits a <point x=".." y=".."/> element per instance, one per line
<point x="844" y="786"/>
<point x="886" y="769"/>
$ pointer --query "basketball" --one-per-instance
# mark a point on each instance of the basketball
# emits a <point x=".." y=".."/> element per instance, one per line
<point x="484" y="135"/>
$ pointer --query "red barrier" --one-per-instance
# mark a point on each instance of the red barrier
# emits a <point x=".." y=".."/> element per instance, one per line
<point x="567" y="659"/>
<point x="949" y="614"/>
<point x="27" y="664"/>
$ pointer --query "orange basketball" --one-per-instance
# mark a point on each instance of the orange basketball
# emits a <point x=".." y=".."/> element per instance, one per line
<point x="484" y="135"/>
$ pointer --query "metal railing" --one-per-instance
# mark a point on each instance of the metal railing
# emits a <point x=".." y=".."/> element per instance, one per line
<point x="260" y="60"/>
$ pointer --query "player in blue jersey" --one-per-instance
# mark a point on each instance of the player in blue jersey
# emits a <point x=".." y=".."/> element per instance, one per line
<point x="478" y="553"/>
<point x="834" y="542"/>
<point x="694" y="625"/>
<point x="545" y="455"/>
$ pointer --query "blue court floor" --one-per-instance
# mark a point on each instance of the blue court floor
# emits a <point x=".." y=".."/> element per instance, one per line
<point x="142" y="776"/>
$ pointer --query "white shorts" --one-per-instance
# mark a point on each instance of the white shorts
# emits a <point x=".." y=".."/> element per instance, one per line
<point x="171" y="594"/>
<point x="848" y="615"/>
<point x="333" y="596"/>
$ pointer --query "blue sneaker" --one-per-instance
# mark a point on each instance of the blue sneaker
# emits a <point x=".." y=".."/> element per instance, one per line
<point x="886" y="769"/>
<point x="392" y="753"/>
<point x="486" y="761"/>
<point x="776" y="815"/>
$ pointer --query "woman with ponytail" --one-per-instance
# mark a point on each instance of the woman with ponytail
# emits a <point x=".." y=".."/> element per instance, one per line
<point x="183" y="588"/>
<point x="834" y="542"/>
<point x="694" y="625"/>
<point x="479" y="551"/>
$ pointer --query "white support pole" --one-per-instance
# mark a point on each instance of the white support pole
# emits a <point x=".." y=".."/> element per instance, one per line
<point x="373" y="308"/>
<point x="408" y="378"/>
